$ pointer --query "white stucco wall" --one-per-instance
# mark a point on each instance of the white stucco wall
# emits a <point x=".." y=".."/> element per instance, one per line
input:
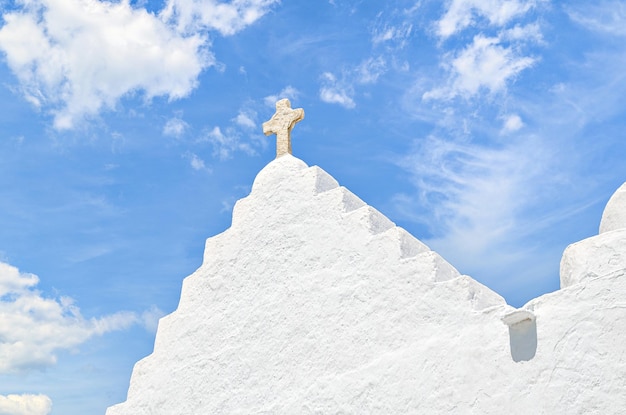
<point x="315" y="303"/>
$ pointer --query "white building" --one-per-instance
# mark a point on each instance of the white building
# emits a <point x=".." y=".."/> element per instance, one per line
<point x="313" y="302"/>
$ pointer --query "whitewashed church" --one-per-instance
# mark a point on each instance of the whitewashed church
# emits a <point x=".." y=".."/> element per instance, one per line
<point x="313" y="302"/>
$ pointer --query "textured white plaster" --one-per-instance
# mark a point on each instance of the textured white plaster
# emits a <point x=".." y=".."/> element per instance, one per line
<point x="601" y="255"/>
<point x="614" y="216"/>
<point x="313" y="302"/>
<point x="518" y="316"/>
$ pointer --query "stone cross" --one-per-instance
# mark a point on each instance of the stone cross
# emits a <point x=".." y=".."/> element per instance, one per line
<point x="281" y="124"/>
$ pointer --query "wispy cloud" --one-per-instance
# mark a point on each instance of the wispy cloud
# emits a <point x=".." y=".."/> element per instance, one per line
<point x="175" y="127"/>
<point x="475" y="200"/>
<point x="150" y="318"/>
<point x="607" y="17"/>
<point x="190" y="16"/>
<point x="246" y="118"/>
<point x="492" y="175"/>
<point x="393" y="27"/>
<point x="528" y="33"/>
<point x="333" y="92"/>
<point x="463" y="179"/>
<point x="241" y="133"/>
<point x="370" y="70"/>
<point x="34" y="328"/>
<point x="392" y="35"/>
<point x="25" y="405"/>
<point x="87" y="253"/>
<point x="512" y="122"/>
<point x="226" y="143"/>
<point x="197" y="163"/>
<point x="340" y="89"/>
<point x="463" y="13"/>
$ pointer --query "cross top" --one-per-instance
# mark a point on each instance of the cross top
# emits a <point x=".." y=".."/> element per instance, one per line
<point x="281" y="124"/>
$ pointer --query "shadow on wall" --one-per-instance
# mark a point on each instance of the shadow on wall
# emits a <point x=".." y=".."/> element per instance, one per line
<point x="522" y="334"/>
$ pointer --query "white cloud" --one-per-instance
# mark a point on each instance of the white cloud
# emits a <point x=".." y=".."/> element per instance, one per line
<point x="197" y="163"/>
<point x="25" y="405"/>
<point x="242" y="133"/>
<point x="77" y="57"/>
<point x="175" y="127"/>
<point x="527" y="33"/>
<point x="33" y="328"/>
<point x="463" y="13"/>
<point x="334" y="93"/>
<point x="226" y="143"/>
<point x="189" y="16"/>
<point x="150" y="318"/>
<point x="245" y="119"/>
<point x="490" y="62"/>
<point x="287" y="92"/>
<point x="485" y="64"/>
<point x="512" y="122"/>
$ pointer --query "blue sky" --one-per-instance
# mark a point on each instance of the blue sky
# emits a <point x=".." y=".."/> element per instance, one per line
<point x="492" y="130"/>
